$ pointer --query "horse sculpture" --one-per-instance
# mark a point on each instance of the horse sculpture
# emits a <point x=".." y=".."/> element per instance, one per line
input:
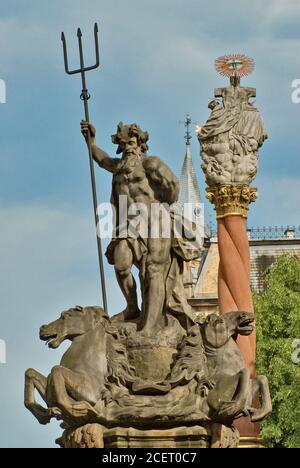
<point x="95" y="382"/>
<point x="233" y="390"/>
<point x="76" y="384"/>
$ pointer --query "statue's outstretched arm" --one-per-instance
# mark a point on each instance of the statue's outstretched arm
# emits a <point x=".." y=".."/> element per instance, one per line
<point x="100" y="156"/>
<point x="104" y="160"/>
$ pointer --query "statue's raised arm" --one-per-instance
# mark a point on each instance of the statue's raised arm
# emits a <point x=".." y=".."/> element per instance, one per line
<point x="99" y="156"/>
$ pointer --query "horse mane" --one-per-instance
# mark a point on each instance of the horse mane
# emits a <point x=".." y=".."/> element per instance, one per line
<point x="190" y="362"/>
<point x="120" y="374"/>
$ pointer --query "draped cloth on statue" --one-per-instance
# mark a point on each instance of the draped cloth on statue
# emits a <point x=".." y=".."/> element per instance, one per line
<point x="249" y="128"/>
<point x="186" y="245"/>
<point x="220" y="121"/>
<point x="243" y="123"/>
<point x="231" y="137"/>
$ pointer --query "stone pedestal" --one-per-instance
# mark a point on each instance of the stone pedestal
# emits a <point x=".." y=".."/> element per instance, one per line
<point x="181" y="437"/>
<point x="96" y="436"/>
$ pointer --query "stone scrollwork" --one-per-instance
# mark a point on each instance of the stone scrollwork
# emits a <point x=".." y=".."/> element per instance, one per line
<point x="231" y="200"/>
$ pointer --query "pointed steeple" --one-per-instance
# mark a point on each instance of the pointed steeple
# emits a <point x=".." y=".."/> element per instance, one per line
<point x="189" y="189"/>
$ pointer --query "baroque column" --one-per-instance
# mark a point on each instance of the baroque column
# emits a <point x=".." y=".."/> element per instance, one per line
<point x="229" y="142"/>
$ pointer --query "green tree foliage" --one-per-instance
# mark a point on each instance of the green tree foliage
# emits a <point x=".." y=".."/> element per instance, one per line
<point x="278" y="326"/>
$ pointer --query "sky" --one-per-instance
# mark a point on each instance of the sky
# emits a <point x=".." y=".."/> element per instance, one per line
<point x="157" y="61"/>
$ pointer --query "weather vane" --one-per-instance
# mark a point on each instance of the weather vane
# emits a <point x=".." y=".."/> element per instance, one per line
<point x="187" y="123"/>
<point x="234" y="65"/>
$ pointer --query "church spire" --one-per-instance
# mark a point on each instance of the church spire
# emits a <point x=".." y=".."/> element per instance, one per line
<point x="189" y="192"/>
<point x="189" y="189"/>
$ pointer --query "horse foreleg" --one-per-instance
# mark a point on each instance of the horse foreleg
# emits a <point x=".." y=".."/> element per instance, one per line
<point x="67" y="391"/>
<point x="241" y="385"/>
<point x="260" y="383"/>
<point x="36" y="381"/>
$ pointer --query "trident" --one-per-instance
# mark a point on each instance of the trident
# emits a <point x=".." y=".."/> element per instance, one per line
<point x="85" y="96"/>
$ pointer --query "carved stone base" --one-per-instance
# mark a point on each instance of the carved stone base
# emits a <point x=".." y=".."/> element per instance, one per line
<point x="182" y="437"/>
<point x="96" y="436"/>
<point x="151" y="356"/>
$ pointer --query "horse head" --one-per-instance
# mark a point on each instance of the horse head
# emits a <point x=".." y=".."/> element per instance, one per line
<point x="72" y="323"/>
<point x="217" y="330"/>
